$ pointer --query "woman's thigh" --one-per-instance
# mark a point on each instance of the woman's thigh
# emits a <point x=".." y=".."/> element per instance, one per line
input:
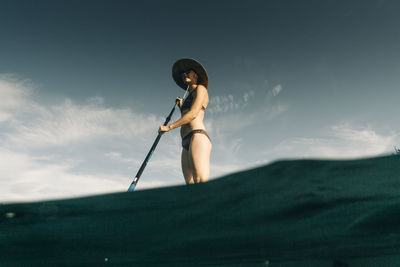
<point x="200" y="150"/>
<point x="187" y="166"/>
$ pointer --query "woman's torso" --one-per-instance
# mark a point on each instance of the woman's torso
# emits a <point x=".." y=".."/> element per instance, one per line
<point x="196" y="123"/>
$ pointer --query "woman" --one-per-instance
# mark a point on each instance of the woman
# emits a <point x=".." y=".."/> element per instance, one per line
<point x="196" y="144"/>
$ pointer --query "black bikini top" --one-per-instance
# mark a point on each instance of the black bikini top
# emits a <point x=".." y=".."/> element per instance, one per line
<point x="187" y="104"/>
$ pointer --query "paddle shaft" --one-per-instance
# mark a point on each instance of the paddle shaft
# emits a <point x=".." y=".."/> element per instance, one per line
<point x="153" y="147"/>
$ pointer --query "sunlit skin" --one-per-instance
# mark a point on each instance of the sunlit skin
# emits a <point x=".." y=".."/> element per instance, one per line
<point x="195" y="162"/>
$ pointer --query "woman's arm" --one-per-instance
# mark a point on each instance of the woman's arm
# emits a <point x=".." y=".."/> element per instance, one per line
<point x="201" y="92"/>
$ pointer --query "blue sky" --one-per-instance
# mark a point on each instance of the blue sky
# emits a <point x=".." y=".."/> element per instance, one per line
<point x="85" y="84"/>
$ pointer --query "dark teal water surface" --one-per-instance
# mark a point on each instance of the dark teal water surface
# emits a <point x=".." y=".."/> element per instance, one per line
<point x="288" y="213"/>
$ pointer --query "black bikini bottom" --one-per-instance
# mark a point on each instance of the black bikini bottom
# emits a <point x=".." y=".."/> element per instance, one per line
<point x="186" y="140"/>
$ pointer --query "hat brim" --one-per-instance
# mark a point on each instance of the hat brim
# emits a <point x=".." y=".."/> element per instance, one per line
<point x="185" y="64"/>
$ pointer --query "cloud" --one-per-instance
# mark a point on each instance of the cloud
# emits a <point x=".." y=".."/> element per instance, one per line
<point x="274" y="111"/>
<point x="68" y="149"/>
<point x="229" y="124"/>
<point x="343" y="142"/>
<point x="25" y="178"/>
<point x="231" y="116"/>
<point x="71" y="123"/>
<point x="276" y="90"/>
<point x="13" y="94"/>
<point x="224" y="168"/>
<point x="228" y="103"/>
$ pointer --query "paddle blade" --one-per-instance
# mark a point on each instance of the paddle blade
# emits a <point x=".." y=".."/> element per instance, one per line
<point x="131" y="188"/>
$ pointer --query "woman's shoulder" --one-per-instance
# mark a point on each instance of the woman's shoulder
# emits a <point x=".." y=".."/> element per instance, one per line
<point x="201" y="92"/>
<point x="201" y="87"/>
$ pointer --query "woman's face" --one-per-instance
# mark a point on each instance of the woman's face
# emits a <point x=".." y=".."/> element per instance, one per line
<point x="189" y="76"/>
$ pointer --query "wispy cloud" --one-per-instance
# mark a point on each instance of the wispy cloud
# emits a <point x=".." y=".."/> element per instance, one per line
<point x="14" y="95"/>
<point x="276" y="90"/>
<point x="67" y="123"/>
<point x="228" y="103"/>
<point x="236" y="115"/>
<point x="343" y="142"/>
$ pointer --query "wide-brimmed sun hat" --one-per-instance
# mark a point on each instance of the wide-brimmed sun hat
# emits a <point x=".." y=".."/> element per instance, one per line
<point x="185" y="64"/>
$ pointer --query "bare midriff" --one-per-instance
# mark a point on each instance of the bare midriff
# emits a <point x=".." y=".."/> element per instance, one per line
<point x="196" y="123"/>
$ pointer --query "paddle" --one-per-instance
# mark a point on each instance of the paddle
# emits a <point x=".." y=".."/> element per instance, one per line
<point x="153" y="147"/>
